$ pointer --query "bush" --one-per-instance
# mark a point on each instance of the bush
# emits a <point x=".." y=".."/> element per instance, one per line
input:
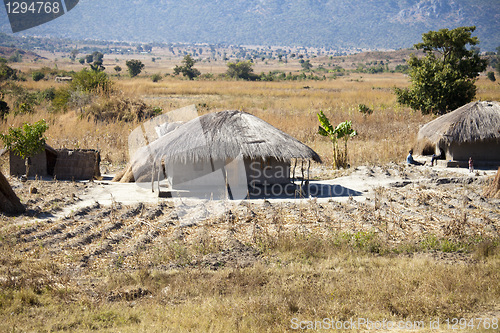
<point x="156" y="77"/>
<point x="91" y="81"/>
<point x="365" y="110"/>
<point x="491" y="76"/>
<point x="37" y="76"/>
<point x="121" y="109"/>
<point x="49" y="94"/>
<point x="61" y="99"/>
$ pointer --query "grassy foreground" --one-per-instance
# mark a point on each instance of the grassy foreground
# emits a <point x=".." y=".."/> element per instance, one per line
<point x="307" y="278"/>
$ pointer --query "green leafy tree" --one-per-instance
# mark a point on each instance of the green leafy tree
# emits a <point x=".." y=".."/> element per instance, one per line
<point x="89" y="58"/>
<point x="444" y="79"/>
<point x="241" y="70"/>
<point x="187" y="68"/>
<point x="306" y="65"/>
<point x="135" y="67"/>
<point x="73" y="53"/>
<point x="343" y="131"/>
<point x="26" y="141"/>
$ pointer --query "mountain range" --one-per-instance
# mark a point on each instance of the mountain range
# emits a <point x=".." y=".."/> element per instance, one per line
<point x="335" y="24"/>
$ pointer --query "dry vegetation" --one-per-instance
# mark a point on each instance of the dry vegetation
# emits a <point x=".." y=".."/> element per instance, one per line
<point x="423" y="251"/>
<point x="419" y="252"/>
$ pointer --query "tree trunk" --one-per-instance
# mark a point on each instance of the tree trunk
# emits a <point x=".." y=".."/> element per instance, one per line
<point x="27" y="162"/>
<point x="9" y="202"/>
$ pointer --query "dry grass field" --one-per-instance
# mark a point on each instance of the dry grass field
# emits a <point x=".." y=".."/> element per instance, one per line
<point x="422" y="252"/>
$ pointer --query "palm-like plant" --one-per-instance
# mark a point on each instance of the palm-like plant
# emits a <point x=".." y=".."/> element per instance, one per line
<point x="343" y="131"/>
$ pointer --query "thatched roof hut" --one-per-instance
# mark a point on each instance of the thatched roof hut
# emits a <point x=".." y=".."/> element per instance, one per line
<point x="472" y="130"/>
<point x="227" y="134"/>
<point x="211" y="141"/>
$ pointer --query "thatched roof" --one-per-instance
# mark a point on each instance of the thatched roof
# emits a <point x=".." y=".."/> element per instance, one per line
<point x="226" y="135"/>
<point x="476" y="121"/>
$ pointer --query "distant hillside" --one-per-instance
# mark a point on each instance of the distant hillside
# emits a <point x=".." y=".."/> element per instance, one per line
<point x="7" y="52"/>
<point x="373" y="24"/>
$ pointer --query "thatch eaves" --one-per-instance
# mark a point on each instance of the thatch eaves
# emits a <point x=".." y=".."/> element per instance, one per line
<point x="473" y="122"/>
<point x="226" y="135"/>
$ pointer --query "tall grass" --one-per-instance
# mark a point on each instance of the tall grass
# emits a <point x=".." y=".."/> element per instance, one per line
<point x="386" y="135"/>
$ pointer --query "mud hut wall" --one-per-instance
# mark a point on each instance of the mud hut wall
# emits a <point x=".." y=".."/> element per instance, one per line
<point x="479" y="151"/>
<point x="250" y="172"/>
<point x="77" y="164"/>
<point x="267" y="172"/>
<point x="38" y="165"/>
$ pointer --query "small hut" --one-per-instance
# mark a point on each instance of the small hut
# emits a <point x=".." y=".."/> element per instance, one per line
<point x="63" y="164"/>
<point x="248" y="150"/>
<point x="472" y="130"/>
<point x="77" y="164"/>
<point x="42" y="164"/>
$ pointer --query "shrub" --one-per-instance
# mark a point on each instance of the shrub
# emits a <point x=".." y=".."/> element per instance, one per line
<point x="121" y="109"/>
<point x="61" y="99"/>
<point x="37" y="76"/>
<point x="365" y="110"/>
<point x="156" y="77"/>
<point x="491" y="76"/>
<point x="91" y="81"/>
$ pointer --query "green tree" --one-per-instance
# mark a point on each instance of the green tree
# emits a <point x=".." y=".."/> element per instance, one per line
<point x="97" y="57"/>
<point x="444" y="79"/>
<point x="491" y="76"/>
<point x="187" y="68"/>
<point x="241" y="70"/>
<point x="26" y="141"/>
<point x="135" y="67"/>
<point x="306" y="65"/>
<point x="73" y="53"/>
<point x="343" y="131"/>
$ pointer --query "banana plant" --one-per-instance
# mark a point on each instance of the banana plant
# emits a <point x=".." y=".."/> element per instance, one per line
<point x="345" y="131"/>
<point x="326" y="129"/>
<point x="342" y="131"/>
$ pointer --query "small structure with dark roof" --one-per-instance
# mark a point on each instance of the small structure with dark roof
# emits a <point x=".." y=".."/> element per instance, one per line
<point x="472" y="130"/>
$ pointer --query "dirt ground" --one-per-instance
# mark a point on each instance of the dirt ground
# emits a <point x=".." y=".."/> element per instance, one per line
<point x="101" y="223"/>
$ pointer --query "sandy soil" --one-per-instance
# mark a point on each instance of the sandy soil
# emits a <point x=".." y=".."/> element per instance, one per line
<point x="102" y="222"/>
